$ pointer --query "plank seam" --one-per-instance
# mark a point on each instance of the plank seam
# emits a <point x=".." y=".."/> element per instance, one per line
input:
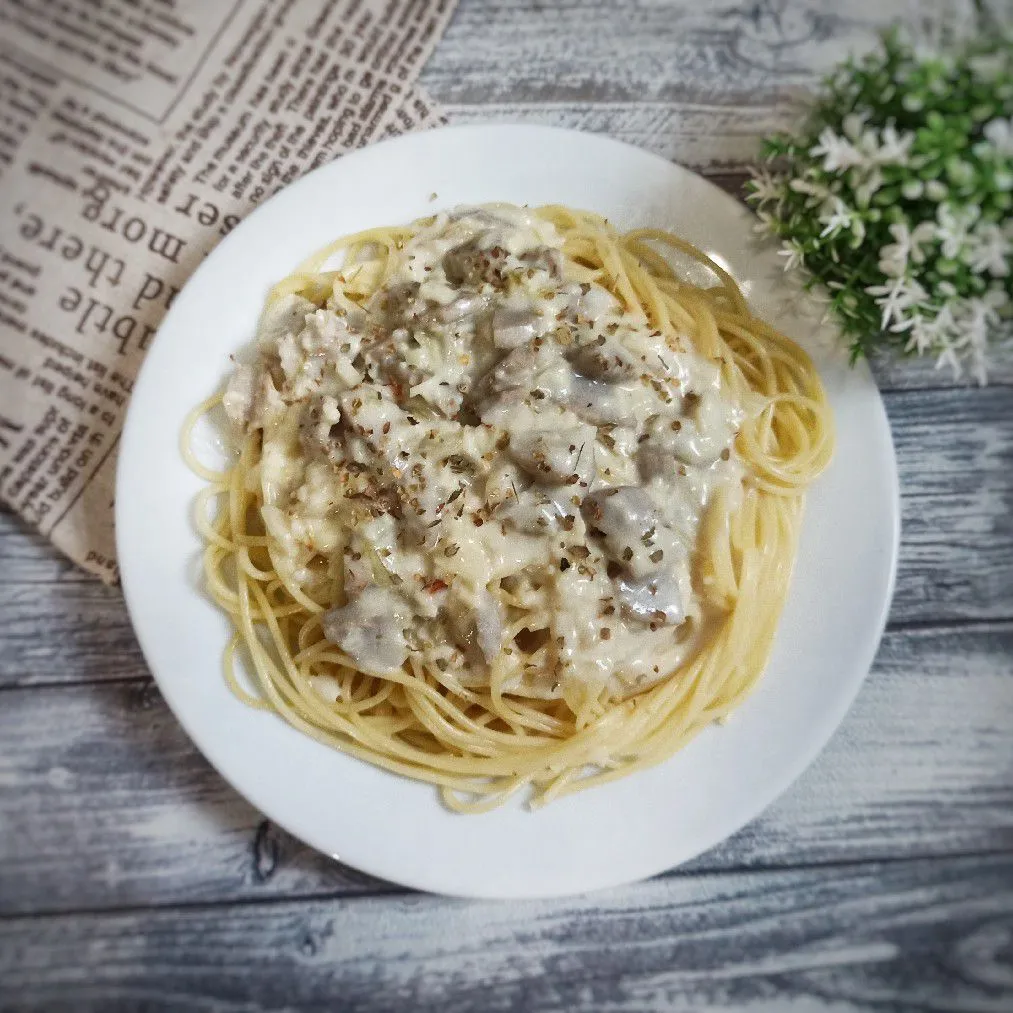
<point x="991" y="858"/>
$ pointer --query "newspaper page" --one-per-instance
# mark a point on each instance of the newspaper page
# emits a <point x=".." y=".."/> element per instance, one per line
<point x="134" y="135"/>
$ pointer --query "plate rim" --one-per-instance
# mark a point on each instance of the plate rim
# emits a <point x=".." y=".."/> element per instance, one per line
<point x="830" y="719"/>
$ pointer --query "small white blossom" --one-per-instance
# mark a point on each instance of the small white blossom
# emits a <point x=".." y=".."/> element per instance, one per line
<point x="948" y="358"/>
<point x="973" y="319"/>
<point x="1000" y="133"/>
<point x="954" y="225"/>
<point x="793" y="254"/>
<point x="894" y="257"/>
<point x="868" y="144"/>
<point x="892" y="264"/>
<point x="836" y="152"/>
<point x="835" y="215"/>
<point x="766" y="187"/>
<point x="957" y="334"/>
<point x="931" y="333"/>
<point x="817" y="192"/>
<point x="894" y="147"/>
<point x="864" y="190"/>
<point x="764" y="226"/>
<point x="895" y="298"/>
<point x="936" y="190"/>
<point x="854" y="124"/>
<point x="988" y="250"/>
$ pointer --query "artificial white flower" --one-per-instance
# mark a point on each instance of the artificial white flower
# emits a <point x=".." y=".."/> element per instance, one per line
<point x="892" y="262"/>
<point x="931" y="333"/>
<point x="766" y="187"/>
<point x="894" y="147"/>
<point x="957" y="334"/>
<point x="953" y="228"/>
<point x="973" y="319"/>
<point x="836" y="152"/>
<point x="764" y="227"/>
<point x="948" y="358"/>
<point x="868" y="185"/>
<point x="868" y="144"/>
<point x="1000" y="133"/>
<point x="987" y="250"/>
<point x="835" y="215"/>
<point x="815" y="191"/>
<point x="854" y="123"/>
<point x="792" y="253"/>
<point x="975" y="314"/>
<point x="894" y="257"/>
<point x="895" y="298"/>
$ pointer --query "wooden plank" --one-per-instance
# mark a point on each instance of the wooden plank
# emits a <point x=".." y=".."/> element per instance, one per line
<point x="65" y="631"/>
<point x="57" y="623"/>
<point x="105" y="803"/>
<point x="709" y="137"/>
<point x="956" y="479"/>
<point x="699" y="83"/>
<point x="898" y="936"/>
<point x="26" y="556"/>
<point x="675" y="51"/>
<point x="896" y="372"/>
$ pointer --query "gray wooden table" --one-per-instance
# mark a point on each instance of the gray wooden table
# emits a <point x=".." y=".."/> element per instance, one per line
<point x="132" y="877"/>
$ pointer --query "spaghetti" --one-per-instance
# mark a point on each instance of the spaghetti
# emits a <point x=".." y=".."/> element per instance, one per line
<point x="515" y="505"/>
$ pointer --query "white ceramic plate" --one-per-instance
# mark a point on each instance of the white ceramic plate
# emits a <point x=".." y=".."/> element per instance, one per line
<point x="395" y="828"/>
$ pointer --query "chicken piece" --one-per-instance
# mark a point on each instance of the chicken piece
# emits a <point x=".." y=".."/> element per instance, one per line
<point x="631" y="529"/>
<point x="659" y="598"/>
<point x="370" y="629"/>
<point x="699" y="437"/>
<point x="513" y="326"/>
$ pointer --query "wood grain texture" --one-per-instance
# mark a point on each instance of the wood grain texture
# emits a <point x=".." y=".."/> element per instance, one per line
<point x="955" y="457"/>
<point x="698" y="83"/>
<point x="733" y="53"/>
<point x="106" y="801"/>
<point x="680" y="132"/>
<point x="903" y="936"/>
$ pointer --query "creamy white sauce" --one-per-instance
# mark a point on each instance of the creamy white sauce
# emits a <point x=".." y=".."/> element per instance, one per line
<point x="486" y="437"/>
